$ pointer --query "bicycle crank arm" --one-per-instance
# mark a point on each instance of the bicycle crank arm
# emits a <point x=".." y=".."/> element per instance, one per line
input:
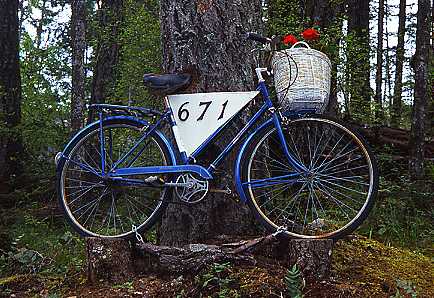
<point x="225" y="191"/>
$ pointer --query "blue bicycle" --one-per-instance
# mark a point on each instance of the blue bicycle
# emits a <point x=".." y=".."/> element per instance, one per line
<point x="309" y="176"/>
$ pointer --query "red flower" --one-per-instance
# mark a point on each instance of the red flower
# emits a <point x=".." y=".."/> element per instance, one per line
<point x="310" y="34"/>
<point x="289" y="39"/>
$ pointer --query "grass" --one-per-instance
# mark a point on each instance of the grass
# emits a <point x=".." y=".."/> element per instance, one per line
<point x="395" y="257"/>
<point x="38" y="243"/>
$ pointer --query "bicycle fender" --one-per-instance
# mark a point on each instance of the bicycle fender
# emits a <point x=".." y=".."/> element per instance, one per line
<point x="238" y="166"/>
<point x="91" y="126"/>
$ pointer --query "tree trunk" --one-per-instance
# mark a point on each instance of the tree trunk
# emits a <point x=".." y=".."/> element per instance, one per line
<point x="358" y="59"/>
<point x="10" y="95"/>
<point x="379" y="71"/>
<point x="388" y="83"/>
<point x="40" y="23"/>
<point x="312" y="256"/>
<point x="109" y="259"/>
<point x="420" y="63"/>
<point x="107" y="52"/>
<point x="205" y="38"/>
<point x="397" y="90"/>
<point x="78" y="30"/>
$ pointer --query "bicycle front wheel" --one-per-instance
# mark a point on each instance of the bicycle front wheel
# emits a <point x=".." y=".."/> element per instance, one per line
<point x="100" y="207"/>
<point x="330" y="199"/>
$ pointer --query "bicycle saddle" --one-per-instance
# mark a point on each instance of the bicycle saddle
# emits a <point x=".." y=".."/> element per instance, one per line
<point x="167" y="83"/>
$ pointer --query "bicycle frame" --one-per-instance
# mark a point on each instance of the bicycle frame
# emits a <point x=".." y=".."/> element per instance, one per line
<point x="206" y="172"/>
<point x="188" y="163"/>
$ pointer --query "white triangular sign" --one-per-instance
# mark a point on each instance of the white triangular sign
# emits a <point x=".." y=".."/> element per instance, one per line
<point x="199" y="115"/>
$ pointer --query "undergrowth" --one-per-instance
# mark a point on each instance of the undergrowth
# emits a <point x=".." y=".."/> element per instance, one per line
<point x="404" y="210"/>
<point x="37" y="244"/>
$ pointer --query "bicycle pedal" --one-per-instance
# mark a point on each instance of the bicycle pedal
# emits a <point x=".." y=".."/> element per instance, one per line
<point x="154" y="181"/>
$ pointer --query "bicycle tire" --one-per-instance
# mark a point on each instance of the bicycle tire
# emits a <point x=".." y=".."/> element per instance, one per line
<point x="329" y="190"/>
<point x="77" y="185"/>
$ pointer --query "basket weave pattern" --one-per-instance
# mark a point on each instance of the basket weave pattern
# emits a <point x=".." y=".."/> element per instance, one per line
<point x="302" y="79"/>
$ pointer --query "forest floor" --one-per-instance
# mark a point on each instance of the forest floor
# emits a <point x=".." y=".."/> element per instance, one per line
<point x="392" y="254"/>
<point x="361" y="267"/>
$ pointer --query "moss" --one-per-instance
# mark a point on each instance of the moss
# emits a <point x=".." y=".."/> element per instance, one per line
<point x="375" y="268"/>
<point x="11" y="279"/>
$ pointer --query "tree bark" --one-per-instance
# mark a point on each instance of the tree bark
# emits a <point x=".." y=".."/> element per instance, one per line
<point x="397" y="90"/>
<point x="118" y="261"/>
<point x="379" y="67"/>
<point x="11" y="147"/>
<point x="205" y="38"/>
<point x="388" y="83"/>
<point x="109" y="259"/>
<point x="313" y="257"/>
<point x="78" y="32"/>
<point x="420" y="63"/>
<point x="107" y="52"/>
<point x="358" y="65"/>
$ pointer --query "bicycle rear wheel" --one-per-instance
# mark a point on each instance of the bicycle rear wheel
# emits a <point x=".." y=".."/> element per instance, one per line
<point x="329" y="200"/>
<point x="106" y="208"/>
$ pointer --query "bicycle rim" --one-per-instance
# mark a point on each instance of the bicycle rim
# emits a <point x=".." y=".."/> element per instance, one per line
<point x="105" y="209"/>
<point x="328" y="201"/>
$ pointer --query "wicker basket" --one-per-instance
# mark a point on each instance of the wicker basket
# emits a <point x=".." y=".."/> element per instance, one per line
<point x="302" y="78"/>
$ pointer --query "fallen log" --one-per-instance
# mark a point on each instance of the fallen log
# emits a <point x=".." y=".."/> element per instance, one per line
<point x="117" y="261"/>
<point x="396" y="138"/>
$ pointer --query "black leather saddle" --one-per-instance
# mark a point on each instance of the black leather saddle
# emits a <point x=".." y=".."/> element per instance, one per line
<point x="167" y="83"/>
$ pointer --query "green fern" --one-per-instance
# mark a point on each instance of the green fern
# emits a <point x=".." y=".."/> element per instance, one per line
<point x="294" y="282"/>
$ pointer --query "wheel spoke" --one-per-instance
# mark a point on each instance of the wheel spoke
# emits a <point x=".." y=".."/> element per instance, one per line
<point x="323" y="201"/>
<point x="104" y="207"/>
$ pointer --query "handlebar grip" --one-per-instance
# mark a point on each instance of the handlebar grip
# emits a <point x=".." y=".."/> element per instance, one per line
<point x="257" y="37"/>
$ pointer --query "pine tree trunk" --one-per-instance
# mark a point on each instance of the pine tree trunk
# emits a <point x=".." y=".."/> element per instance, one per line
<point x="420" y="63"/>
<point x="205" y="38"/>
<point x="388" y="84"/>
<point x="107" y="52"/>
<point x="397" y="90"/>
<point x="358" y="64"/>
<point x="379" y="70"/>
<point x="78" y="32"/>
<point x="40" y="23"/>
<point x="10" y="95"/>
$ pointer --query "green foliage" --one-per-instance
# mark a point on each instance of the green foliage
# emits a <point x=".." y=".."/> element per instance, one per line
<point x="39" y="246"/>
<point x="402" y="215"/>
<point x="284" y="17"/>
<point x="45" y="80"/>
<point x="294" y="282"/>
<point x="126" y="285"/>
<point x="355" y="82"/>
<point x="217" y="280"/>
<point x="140" y="52"/>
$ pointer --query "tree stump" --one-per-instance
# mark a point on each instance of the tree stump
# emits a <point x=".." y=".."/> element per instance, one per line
<point x="313" y="257"/>
<point x="109" y="259"/>
<point x="118" y="260"/>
